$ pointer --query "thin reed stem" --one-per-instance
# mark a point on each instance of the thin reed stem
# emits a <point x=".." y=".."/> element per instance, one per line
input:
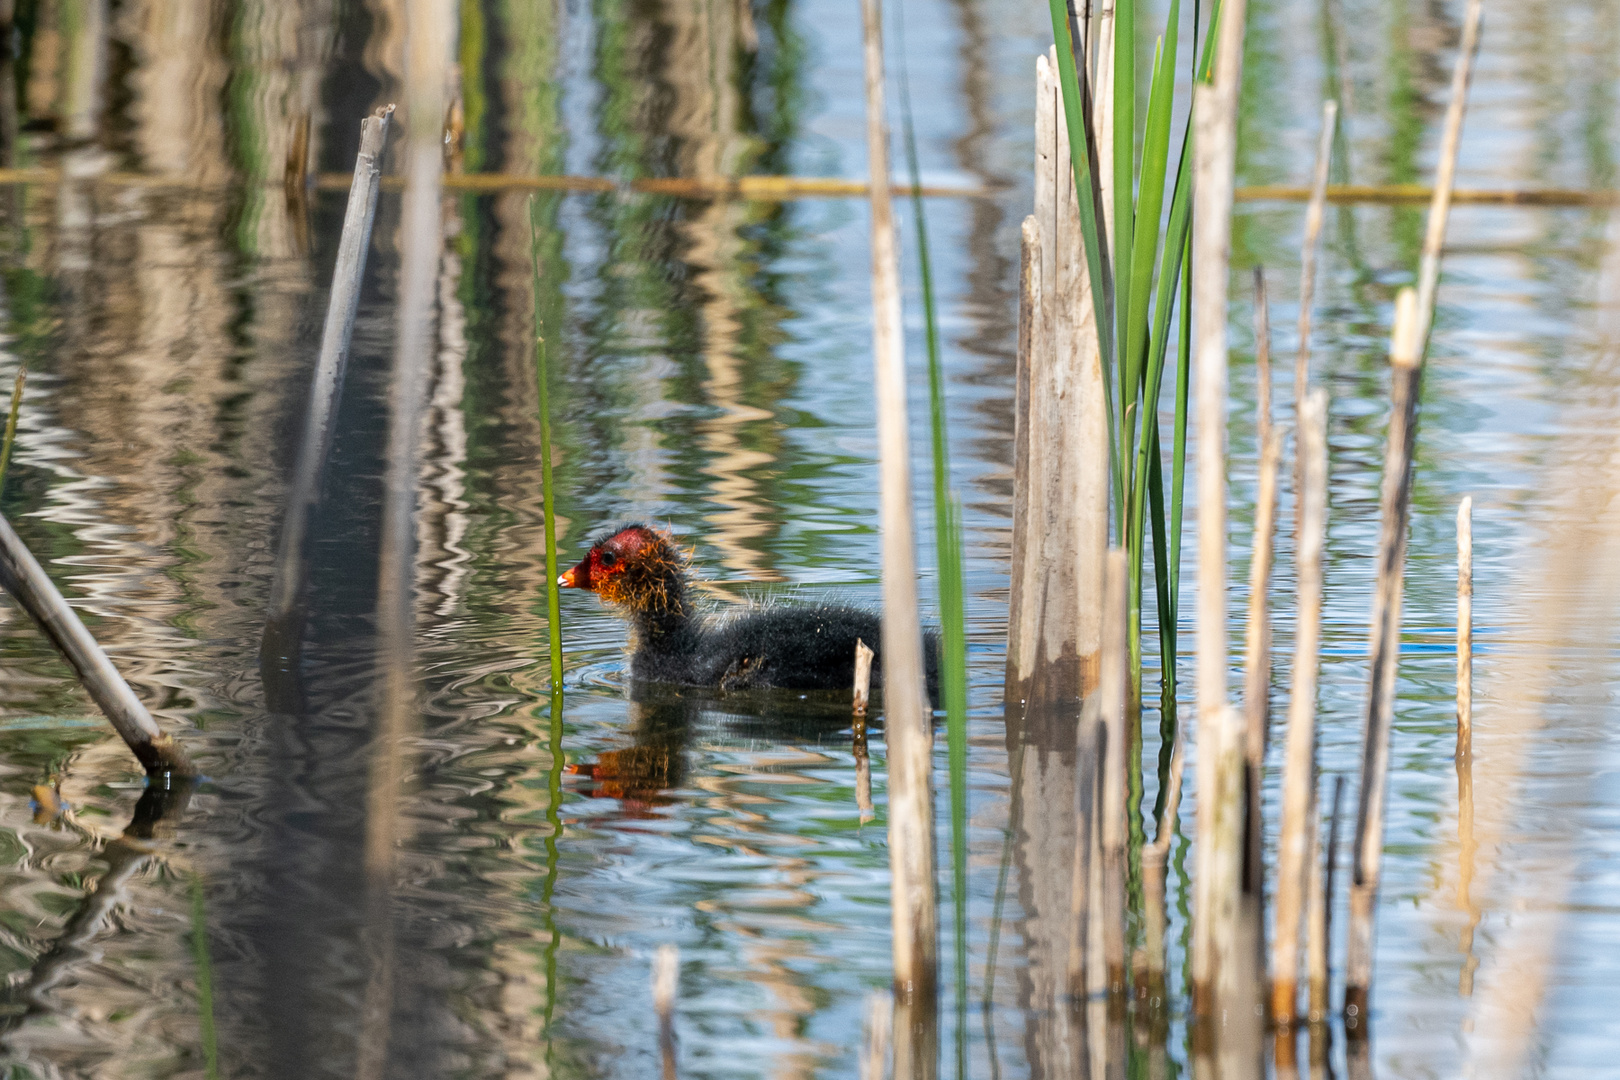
<point x="1465" y="626"/>
<point x="1310" y="247"/>
<point x="1297" y="837"/>
<point x="11" y="420"/>
<point x="911" y="818"/>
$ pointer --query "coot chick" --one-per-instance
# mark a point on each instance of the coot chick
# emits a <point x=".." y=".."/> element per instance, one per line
<point x="640" y="571"/>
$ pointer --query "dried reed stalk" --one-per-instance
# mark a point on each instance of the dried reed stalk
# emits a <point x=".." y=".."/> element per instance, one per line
<point x="1413" y="319"/>
<point x="875" y="1044"/>
<point x="666" y="973"/>
<point x="429" y="31"/>
<point x="1112" y="690"/>
<point x="1383" y="652"/>
<point x="906" y="714"/>
<point x="1220" y="850"/>
<point x="281" y="646"/>
<point x="1315" y="211"/>
<point x="1029" y="325"/>
<point x="1465" y="627"/>
<point x="22" y="577"/>
<point x="863" y="676"/>
<point x="1299" y="768"/>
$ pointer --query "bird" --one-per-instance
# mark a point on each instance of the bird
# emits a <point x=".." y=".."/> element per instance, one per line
<point x="646" y="577"/>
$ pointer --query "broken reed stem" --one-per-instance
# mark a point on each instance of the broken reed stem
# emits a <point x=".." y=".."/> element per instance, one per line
<point x="284" y="625"/>
<point x="863" y="676"/>
<point x="1315" y="212"/>
<point x="22" y="577"/>
<point x="11" y="420"/>
<point x="666" y="971"/>
<point x="1465" y="627"/>
<point x="1113" y="689"/>
<point x="1383" y="652"/>
<point x="1414" y="315"/>
<point x="429" y="30"/>
<point x="1219" y="851"/>
<point x="1299" y="769"/>
<point x="906" y="715"/>
<point x="875" y="1043"/>
<point x="1320" y="915"/>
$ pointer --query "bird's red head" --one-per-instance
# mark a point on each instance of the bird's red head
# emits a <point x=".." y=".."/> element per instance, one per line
<point x="635" y="566"/>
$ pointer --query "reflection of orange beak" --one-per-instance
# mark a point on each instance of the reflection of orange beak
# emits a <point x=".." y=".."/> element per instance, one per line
<point x="577" y="578"/>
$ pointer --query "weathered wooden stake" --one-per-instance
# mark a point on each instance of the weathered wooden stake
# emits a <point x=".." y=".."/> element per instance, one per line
<point x="1299" y="768"/>
<point x="906" y="713"/>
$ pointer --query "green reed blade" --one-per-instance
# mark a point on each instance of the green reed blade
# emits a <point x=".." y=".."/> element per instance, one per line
<point x="11" y="421"/>
<point x="548" y="886"/>
<point x="205" y="966"/>
<point x="952" y="613"/>
<point x="1123" y="243"/>
<point x="547" y="494"/>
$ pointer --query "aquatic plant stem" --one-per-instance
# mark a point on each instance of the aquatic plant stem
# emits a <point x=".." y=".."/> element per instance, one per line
<point x="205" y="979"/>
<point x="11" y="420"/>
<point x="548" y="492"/>
<point x="911" y="817"/>
<point x="1465" y="626"/>
<point x="1408" y="349"/>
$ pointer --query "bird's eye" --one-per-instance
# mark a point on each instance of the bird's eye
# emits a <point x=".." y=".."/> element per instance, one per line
<point x="608" y="558"/>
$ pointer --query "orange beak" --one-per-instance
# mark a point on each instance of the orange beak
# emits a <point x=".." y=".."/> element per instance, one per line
<point x="577" y="578"/>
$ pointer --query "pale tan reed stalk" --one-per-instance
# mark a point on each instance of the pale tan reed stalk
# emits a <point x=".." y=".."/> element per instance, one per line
<point x="1465" y="627"/>
<point x="1299" y="768"/>
<point x="1310" y="247"/>
<point x="1220" y="848"/>
<point x="875" y="1041"/>
<point x="666" y="973"/>
<point x="863" y="676"/>
<point x="906" y="714"/>
<point x="429" y="38"/>
<point x="1410" y="345"/>
<point x="1383" y="653"/>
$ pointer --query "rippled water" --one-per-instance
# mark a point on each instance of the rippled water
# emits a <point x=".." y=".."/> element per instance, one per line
<point x="714" y="376"/>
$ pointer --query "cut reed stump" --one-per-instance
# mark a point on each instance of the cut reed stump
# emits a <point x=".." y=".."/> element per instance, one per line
<point x="666" y="975"/>
<point x="1299" y="768"/>
<point x="863" y="676"/>
<point x="1061" y="433"/>
<point x="280" y="649"/>
<point x="906" y="715"/>
<point x="22" y="577"/>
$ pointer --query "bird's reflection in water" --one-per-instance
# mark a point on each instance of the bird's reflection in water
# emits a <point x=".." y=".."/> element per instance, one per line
<point x="649" y="773"/>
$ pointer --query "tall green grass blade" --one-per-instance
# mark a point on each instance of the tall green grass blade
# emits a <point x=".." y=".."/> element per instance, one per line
<point x="952" y="607"/>
<point x="547" y="494"/>
<point x="548" y="886"/>
<point x="205" y="965"/>
<point x="11" y="421"/>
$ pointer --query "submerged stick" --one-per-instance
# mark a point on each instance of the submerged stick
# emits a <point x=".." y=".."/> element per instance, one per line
<point x="1465" y="627"/>
<point x="863" y="676"/>
<point x="280" y="649"/>
<point x="665" y="977"/>
<point x="1299" y="769"/>
<point x="906" y="715"/>
<point x="22" y="577"/>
